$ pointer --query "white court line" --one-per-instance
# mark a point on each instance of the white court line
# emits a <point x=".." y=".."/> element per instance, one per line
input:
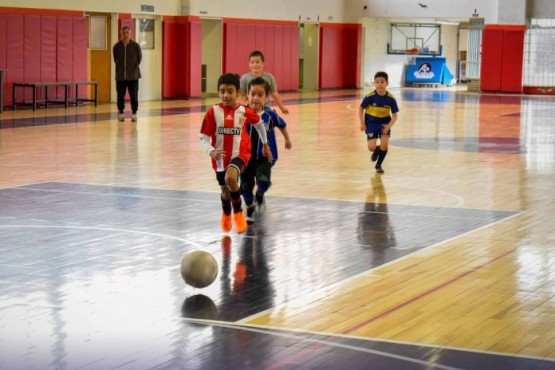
<point x="127" y="231"/>
<point x="323" y="290"/>
<point x="273" y="332"/>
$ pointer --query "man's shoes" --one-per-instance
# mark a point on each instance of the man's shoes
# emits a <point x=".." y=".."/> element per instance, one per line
<point x="121" y="117"/>
<point x="379" y="169"/>
<point x="226" y="222"/>
<point x="240" y="222"/>
<point x="250" y="214"/>
<point x="134" y="117"/>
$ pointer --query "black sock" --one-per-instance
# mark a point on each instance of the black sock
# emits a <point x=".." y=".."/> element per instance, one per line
<point x="236" y="201"/>
<point x="226" y="206"/>
<point x="381" y="157"/>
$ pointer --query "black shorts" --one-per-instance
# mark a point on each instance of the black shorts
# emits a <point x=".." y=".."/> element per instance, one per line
<point x="257" y="171"/>
<point x="376" y="135"/>
<point x="235" y="162"/>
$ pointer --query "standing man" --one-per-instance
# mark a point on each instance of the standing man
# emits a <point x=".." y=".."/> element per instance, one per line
<point x="127" y="56"/>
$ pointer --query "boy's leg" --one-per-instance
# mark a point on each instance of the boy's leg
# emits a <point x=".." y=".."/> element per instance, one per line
<point x="372" y="140"/>
<point x="226" y="202"/>
<point x="247" y="187"/>
<point x="384" y="144"/>
<point x="263" y="182"/>
<point x="232" y="181"/>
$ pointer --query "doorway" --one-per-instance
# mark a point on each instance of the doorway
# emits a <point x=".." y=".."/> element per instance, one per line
<point x="211" y="55"/>
<point x="100" y="53"/>
<point x="308" y="56"/>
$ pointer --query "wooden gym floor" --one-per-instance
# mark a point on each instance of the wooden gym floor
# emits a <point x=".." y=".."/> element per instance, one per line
<point x="446" y="261"/>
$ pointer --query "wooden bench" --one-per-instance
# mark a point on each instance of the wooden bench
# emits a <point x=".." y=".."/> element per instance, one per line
<point x="66" y="100"/>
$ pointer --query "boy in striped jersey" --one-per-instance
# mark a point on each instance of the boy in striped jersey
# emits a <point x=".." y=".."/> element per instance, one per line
<point x="224" y="137"/>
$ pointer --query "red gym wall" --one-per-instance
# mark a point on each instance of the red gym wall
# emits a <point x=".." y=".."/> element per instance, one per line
<point x="278" y="41"/>
<point x="502" y="58"/>
<point x="34" y="50"/>
<point x="181" y="57"/>
<point x="340" y="55"/>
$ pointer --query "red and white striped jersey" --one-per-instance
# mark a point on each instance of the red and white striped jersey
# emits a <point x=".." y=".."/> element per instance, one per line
<point x="222" y="128"/>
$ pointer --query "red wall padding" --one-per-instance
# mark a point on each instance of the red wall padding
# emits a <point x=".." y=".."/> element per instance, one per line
<point x="14" y="54"/>
<point x="79" y="53"/>
<point x="169" y="59"/>
<point x="513" y="60"/>
<point x="502" y="58"/>
<point x="3" y="51"/>
<point x="48" y="49"/>
<point x="339" y="55"/>
<point x="64" y="52"/>
<point x="195" y="59"/>
<point x="278" y="42"/>
<point x="181" y="57"/>
<point x="43" y="48"/>
<point x="31" y="50"/>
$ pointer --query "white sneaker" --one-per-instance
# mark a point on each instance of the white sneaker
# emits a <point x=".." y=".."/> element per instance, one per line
<point x="134" y="118"/>
<point x="121" y="117"/>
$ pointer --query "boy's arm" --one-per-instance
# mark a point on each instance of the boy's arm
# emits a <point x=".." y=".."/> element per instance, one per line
<point x="205" y="136"/>
<point x="387" y="128"/>
<point x="288" y="143"/>
<point x="277" y="99"/>
<point x="264" y="138"/>
<point x="361" y="119"/>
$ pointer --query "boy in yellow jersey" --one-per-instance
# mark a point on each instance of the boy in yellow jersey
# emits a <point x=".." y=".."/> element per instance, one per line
<point x="377" y="114"/>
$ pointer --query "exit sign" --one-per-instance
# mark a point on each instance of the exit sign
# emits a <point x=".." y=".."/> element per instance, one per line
<point x="147" y="8"/>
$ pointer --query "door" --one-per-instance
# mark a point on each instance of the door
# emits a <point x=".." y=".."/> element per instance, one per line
<point x="100" y="53"/>
<point x="308" y="56"/>
<point x="211" y="55"/>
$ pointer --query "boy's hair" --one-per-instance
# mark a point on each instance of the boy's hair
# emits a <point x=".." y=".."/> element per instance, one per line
<point x="382" y="74"/>
<point x="259" y="81"/>
<point x="230" y="79"/>
<point x="256" y="53"/>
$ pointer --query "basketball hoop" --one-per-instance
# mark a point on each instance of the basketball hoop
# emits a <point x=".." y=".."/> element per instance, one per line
<point x="411" y="55"/>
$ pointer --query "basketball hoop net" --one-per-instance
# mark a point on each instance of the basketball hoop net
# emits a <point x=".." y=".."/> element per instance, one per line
<point x="411" y="55"/>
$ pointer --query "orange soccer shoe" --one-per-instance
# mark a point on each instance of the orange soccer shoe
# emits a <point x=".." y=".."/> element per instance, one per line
<point x="226" y="222"/>
<point x="240" y="222"/>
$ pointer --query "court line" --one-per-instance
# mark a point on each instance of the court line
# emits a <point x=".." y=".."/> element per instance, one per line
<point x="427" y="292"/>
<point x="126" y="231"/>
<point x="316" y="343"/>
<point x="306" y="351"/>
<point x="323" y="291"/>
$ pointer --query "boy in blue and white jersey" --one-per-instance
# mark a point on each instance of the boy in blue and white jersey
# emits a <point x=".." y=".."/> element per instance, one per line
<point x="259" y="171"/>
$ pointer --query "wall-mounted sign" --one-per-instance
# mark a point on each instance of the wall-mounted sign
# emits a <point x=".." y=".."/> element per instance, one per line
<point x="147" y="8"/>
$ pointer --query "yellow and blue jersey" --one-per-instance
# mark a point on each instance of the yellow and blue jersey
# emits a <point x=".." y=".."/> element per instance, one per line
<point x="378" y="110"/>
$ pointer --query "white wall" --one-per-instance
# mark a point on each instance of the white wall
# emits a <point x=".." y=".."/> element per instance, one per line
<point x="288" y="10"/>
<point x="512" y="12"/>
<point x="444" y="9"/>
<point x="376" y="33"/>
<point x="161" y="7"/>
